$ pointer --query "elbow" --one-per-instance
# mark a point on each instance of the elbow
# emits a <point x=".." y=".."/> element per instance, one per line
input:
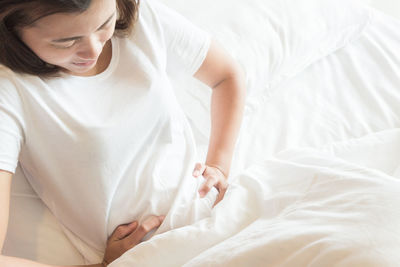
<point x="237" y="78"/>
<point x="234" y="75"/>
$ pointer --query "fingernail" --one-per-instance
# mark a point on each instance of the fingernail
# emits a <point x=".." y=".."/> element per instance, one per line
<point x="196" y="173"/>
<point x="202" y="193"/>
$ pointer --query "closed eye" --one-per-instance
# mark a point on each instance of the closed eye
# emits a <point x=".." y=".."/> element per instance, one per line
<point x="66" y="45"/>
<point x="71" y="39"/>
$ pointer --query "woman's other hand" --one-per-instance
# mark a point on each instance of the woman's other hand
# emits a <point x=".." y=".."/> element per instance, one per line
<point x="127" y="236"/>
<point x="214" y="177"/>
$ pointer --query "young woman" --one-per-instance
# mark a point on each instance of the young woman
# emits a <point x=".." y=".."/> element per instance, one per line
<point x="88" y="110"/>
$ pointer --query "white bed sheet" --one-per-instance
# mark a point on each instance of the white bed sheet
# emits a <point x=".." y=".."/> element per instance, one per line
<point x="349" y="94"/>
<point x="301" y="208"/>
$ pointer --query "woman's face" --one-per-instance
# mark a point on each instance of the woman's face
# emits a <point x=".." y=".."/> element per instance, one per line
<point x="72" y="41"/>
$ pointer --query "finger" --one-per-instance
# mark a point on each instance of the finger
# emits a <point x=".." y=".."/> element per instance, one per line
<point x="123" y="230"/>
<point x="219" y="197"/>
<point x="223" y="185"/>
<point x="207" y="185"/>
<point x="199" y="169"/>
<point x="148" y="225"/>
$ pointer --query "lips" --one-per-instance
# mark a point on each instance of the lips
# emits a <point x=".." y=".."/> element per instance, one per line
<point x="84" y="64"/>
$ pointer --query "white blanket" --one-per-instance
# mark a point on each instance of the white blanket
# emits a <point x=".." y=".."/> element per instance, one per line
<point x="302" y="208"/>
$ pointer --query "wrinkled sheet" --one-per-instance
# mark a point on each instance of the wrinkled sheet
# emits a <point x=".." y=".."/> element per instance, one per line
<point x="303" y="207"/>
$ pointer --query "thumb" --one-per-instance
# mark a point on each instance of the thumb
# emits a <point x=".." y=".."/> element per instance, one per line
<point x="123" y="230"/>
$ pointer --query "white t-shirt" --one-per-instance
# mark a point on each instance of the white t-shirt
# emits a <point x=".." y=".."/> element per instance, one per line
<point x="112" y="148"/>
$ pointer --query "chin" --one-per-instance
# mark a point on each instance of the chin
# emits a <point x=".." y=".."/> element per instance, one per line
<point x="80" y="70"/>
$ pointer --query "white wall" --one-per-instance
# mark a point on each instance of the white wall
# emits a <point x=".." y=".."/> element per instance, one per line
<point x="391" y="7"/>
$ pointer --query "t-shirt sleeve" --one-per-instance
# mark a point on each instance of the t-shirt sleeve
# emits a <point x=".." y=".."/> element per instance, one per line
<point x="11" y="130"/>
<point x="187" y="44"/>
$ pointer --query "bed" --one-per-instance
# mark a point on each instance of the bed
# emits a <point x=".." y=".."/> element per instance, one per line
<point x="315" y="177"/>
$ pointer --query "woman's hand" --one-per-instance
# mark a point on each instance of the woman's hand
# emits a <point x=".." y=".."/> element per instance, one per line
<point x="214" y="177"/>
<point x="127" y="236"/>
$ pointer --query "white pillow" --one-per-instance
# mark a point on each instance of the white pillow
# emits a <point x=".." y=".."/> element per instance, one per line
<point x="276" y="39"/>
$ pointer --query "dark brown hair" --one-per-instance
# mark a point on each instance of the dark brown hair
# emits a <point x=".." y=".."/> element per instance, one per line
<point x="15" y="14"/>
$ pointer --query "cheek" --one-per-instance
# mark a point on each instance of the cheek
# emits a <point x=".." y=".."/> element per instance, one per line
<point x="108" y="35"/>
<point x="52" y="55"/>
<point x="110" y="32"/>
<point x="43" y="50"/>
<point x="55" y="56"/>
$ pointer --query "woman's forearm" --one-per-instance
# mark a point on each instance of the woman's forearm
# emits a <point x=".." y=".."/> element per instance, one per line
<point x="227" y="106"/>
<point x="6" y="261"/>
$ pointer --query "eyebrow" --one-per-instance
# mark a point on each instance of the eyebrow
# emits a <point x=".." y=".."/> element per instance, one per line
<point x="63" y="40"/>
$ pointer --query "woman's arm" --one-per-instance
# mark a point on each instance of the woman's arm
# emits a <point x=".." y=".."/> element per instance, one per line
<point x="5" y="188"/>
<point x="226" y="78"/>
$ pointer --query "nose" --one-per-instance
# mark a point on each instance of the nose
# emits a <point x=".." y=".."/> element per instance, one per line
<point x="91" y="49"/>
